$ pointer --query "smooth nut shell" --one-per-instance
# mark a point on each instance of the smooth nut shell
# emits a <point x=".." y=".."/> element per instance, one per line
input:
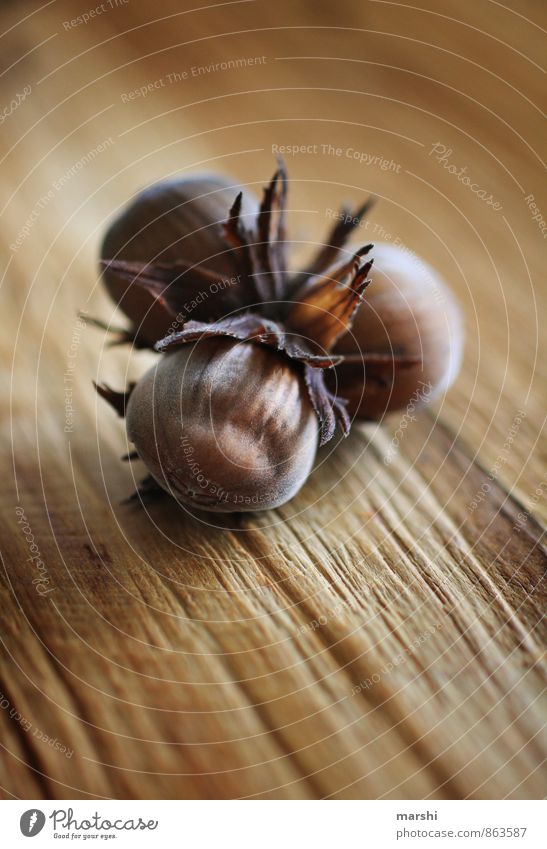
<point x="174" y="220"/>
<point x="224" y="426"/>
<point x="407" y="310"/>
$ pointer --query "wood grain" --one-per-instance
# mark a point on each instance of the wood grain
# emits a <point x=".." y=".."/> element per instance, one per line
<point x="382" y="635"/>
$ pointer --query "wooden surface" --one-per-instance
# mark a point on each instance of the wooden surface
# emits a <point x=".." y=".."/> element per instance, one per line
<point x="380" y="636"/>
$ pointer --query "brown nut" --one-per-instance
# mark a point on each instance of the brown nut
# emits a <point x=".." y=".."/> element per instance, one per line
<point x="411" y="317"/>
<point x="174" y="220"/>
<point x="224" y="426"/>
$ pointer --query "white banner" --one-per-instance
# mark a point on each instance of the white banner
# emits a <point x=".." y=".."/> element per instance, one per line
<point x="275" y="824"/>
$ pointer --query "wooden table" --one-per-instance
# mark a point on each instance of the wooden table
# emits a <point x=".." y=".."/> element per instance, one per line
<point x="380" y="636"/>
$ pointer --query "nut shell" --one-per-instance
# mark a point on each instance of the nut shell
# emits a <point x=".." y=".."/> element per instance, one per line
<point x="170" y="221"/>
<point x="407" y="311"/>
<point x="224" y="426"/>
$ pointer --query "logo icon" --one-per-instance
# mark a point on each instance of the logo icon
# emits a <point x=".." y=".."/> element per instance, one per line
<point x="32" y="822"/>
